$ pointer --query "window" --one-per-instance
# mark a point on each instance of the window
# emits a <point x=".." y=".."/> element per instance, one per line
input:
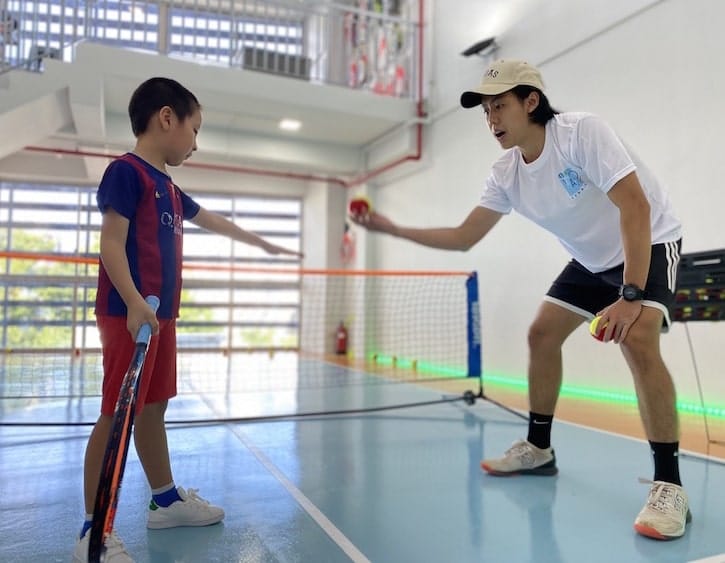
<point x="47" y="303"/>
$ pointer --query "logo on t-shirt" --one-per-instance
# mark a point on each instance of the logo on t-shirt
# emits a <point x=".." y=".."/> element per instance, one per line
<point x="572" y="182"/>
<point x="172" y="222"/>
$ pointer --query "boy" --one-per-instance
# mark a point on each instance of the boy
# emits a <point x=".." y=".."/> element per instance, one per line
<point x="141" y="253"/>
<point x="570" y="174"/>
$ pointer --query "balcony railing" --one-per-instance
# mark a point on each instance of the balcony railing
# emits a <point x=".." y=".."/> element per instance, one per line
<point x="324" y="43"/>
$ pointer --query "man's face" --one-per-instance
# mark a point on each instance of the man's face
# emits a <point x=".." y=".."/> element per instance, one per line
<point x="508" y="118"/>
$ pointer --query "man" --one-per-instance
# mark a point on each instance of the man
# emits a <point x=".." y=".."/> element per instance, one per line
<point x="570" y="174"/>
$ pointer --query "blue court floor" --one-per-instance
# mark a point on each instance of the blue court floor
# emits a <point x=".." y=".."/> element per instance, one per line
<point x="394" y="486"/>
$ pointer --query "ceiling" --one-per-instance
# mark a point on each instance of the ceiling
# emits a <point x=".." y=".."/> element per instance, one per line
<point x="332" y="114"/>
<point x="241" y="111"/>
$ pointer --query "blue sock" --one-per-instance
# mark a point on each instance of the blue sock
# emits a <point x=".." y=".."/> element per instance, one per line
<point x="86" y="527"/>
<point x="165" y="496"/>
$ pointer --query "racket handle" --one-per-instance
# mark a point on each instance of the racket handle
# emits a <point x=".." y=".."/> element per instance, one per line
<point x="144" y="333"/>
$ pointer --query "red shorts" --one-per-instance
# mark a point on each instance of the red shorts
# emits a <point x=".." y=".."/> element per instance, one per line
<point x="158" y="379"/>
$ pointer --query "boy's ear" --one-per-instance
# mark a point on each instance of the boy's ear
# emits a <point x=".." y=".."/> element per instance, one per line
<point x="165" y="117"/>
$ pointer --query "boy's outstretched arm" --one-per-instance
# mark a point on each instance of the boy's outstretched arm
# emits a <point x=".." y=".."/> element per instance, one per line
<point x="464" y="236"/>
<point x="221" y="225"/>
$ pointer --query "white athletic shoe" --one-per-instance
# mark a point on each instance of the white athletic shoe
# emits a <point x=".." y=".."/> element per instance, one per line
<point x="115" y="551"/>
<point x="666" y="512"/>
<point x="191" y="510"/>
<point x="522" y="458"/>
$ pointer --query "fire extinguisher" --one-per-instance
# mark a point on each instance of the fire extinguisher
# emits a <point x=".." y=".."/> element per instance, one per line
<point x="341" y="339"/>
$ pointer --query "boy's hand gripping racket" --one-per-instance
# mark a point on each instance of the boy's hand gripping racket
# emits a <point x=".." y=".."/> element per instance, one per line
<point x="114" y="460"/>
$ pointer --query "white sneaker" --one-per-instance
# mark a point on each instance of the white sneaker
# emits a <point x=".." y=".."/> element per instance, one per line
<point x="191" y="510"/>
<point x="115" y="552"/>
<point x="666" y="512"/>
<point x="522" y="458"/>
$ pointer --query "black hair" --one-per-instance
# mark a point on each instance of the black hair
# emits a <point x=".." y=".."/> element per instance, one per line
<point x="543" y="112"/>
<point x="156" y="93"/>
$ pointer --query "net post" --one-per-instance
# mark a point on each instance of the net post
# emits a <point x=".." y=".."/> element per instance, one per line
<point x="473" y="331"/>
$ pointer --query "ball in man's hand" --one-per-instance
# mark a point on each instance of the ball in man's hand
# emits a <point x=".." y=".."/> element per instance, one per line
<point x="360" y="206"/>
<point x="597" y="328"/>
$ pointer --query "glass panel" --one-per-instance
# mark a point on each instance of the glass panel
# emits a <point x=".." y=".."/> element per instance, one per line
<point x="48" y="303"/>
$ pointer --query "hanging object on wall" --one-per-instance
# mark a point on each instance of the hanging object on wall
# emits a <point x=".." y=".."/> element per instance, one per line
<point x="8" y="28"/>
<point x="347" y="248"/>
<point x="375" y="48"/>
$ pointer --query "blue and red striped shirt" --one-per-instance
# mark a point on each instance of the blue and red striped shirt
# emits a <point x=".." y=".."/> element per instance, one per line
<point x="156" y="209"/>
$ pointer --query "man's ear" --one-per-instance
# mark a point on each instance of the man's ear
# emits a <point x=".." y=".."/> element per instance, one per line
<point x="532" y="101"/>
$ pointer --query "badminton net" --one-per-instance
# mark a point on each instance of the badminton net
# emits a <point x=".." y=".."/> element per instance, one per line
<point x="255" y="341"/>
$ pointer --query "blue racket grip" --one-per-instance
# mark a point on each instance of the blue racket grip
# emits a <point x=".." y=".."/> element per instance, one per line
<point x="144" y="333"/>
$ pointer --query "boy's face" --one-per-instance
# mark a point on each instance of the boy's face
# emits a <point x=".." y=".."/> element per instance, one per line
<point x="508" y="117"/>
<point x="182" y="139"/>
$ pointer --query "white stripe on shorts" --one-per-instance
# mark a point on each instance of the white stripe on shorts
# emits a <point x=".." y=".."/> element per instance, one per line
<point x="673" y="259"/>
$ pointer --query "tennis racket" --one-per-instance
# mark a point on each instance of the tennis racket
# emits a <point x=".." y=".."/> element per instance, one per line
<point x="114" y="460"/>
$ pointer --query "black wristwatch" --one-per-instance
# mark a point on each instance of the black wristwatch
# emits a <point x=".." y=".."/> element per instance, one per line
<point x="631" y="292"/>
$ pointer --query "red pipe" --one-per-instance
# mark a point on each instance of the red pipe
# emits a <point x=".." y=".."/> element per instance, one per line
<point x="191" y="164"/>
<point x="416" y="156"/>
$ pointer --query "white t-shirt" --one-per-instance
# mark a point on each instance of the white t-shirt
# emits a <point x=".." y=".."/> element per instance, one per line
<point x="565" y="189"/>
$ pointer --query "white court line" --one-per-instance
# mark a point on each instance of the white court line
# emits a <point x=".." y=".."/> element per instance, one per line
<point x="684" y="452"/>
<point x="714" y="559"/>
<point x="307" y="505"/>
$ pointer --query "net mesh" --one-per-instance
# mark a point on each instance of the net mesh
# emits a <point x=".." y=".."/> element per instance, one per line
<point x="270" y="341"/>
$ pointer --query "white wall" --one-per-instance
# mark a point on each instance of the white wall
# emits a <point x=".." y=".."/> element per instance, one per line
<point x="654" y="71"/>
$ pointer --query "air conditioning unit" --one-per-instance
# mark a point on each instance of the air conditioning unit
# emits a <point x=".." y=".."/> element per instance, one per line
<point x="282" y="64"/>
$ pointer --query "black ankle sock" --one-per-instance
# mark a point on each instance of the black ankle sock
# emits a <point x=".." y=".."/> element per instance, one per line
<point x="666" y="460"/>
<point x="540" y="430"/>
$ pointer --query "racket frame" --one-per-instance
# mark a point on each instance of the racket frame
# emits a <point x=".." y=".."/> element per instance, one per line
<point x="114" y="458"/>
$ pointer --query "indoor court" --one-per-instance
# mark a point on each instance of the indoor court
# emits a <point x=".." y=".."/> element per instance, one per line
<point x="389" y="486"/>
<point x="340" y="382"/>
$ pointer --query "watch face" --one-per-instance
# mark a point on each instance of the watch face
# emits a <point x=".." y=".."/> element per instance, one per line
<point x="631" y="293"/>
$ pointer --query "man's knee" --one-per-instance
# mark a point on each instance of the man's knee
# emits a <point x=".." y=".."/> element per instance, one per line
<point x="543" y="336"/>
<point x="641" y="347"/>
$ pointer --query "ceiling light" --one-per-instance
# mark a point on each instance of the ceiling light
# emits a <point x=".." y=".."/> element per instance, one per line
<point x="290" y="124"/>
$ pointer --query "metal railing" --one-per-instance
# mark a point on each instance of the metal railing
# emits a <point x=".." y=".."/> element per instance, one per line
<point x="371" y="49"/>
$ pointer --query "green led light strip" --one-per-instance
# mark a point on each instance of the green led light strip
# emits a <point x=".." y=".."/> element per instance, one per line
<point x="601" y="395"/>
<point x="520" y="385"/>
<point x="416" y="366"/>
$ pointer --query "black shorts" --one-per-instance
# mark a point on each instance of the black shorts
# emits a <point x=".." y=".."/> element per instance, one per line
<point x="586" y="293"/>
